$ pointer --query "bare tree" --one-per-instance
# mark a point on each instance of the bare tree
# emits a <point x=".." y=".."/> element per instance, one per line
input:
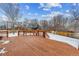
<point x="31" y="23"/>
<point x="44" y="24"/>
<point x="75" y="12"/>
<point x="11" y="10"/>
<point x="25" y="22"/>
<point x="35" y="24"/>
<point x="58" y="23"/>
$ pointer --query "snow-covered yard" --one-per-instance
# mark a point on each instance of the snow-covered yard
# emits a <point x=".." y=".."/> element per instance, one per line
<point x="71" y="41"/>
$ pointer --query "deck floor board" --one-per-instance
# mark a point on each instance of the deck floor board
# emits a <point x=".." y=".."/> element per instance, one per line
<point x="37" y="46"/>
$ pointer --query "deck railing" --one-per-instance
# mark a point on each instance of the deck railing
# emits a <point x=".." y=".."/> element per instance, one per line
<point x="35" y="32"/>
<point x="65" y="33"/>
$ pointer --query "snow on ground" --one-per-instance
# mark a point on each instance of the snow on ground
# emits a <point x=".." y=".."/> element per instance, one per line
<point x="14" y="34"/>
<point x="10" y="34"/>
<point x="71" y="41"/>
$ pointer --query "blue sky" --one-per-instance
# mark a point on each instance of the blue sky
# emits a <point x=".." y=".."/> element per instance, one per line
<point x="36" y="10"/>
<point x="44" y="10"/>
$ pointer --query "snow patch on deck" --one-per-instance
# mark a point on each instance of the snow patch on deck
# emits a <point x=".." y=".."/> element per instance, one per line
<point x="2" y="51"/>
<point x="71" y="41"/>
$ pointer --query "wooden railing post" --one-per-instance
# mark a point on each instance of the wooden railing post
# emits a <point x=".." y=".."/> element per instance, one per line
<point x="37" y="33"/>
<point x="23" y="33"/>
<point x="44" y="34"/>
<point x="18" y="32"/>
<point x="7" y="33"/>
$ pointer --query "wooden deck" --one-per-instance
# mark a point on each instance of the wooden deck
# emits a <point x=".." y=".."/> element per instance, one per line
<point x="37" y="46"/>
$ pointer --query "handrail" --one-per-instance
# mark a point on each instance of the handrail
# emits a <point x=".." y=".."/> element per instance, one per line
<point x="66" y="33"/>
<point x="31" y="31"/>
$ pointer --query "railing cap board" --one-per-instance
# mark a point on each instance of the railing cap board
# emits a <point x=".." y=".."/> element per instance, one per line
<point x="25" y="30"/>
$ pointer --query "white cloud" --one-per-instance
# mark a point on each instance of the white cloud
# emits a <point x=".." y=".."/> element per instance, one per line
<point x="4" y="18"/>
<point x="55" y="13"/>
<point x="35" y="14"/>
<point x="46" y="9"/>
<point x="55" y="5"/>
<point x="43" y="15"/>
<point x="67" y="15"/>
<point x="29" y="13"/>
<point x="32" y="14"/>
<point x="67" y="10"/>
<point x="27" y="7"/>
<point x="48" y="6"/>
<point x="41" y="5"/>
<point x="51" y="15"/>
